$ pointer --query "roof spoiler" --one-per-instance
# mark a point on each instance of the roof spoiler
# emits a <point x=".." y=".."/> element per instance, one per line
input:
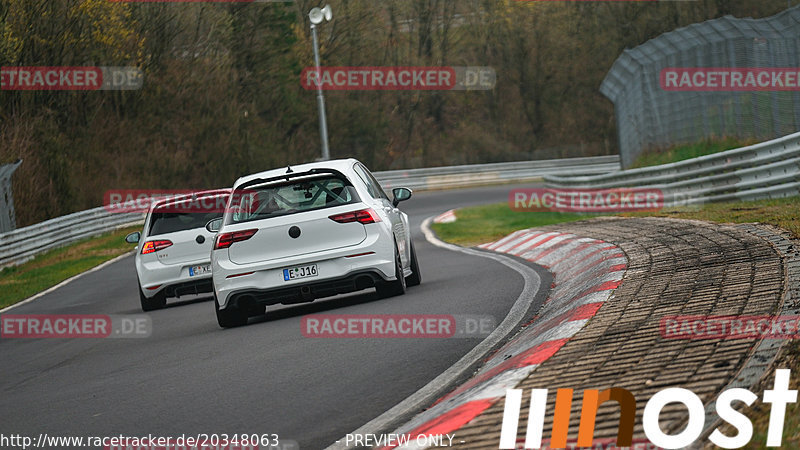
<point x="290" y="176"/>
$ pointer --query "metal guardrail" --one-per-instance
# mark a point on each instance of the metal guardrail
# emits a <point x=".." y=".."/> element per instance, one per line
<point x="450" y="177"/>
<point x="23" y="244"/>
<point x="762" y="171"/>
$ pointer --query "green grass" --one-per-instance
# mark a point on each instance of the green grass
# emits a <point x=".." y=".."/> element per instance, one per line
<point x="783" y="213"/>
<point x="480" y="224"/>
<point x="49" y="269"/>
<point x="683" y="152"/>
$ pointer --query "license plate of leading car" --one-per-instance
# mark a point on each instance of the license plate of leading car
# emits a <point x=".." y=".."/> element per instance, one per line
<point x="296" y="273"/>
<point x="199" y="270"/>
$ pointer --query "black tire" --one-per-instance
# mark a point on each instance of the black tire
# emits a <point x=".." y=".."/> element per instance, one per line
<point x="158" y="301"/>
<point x="229" y="317"/>
<point x="397" y="287"/>
<point x="416" y="277"/>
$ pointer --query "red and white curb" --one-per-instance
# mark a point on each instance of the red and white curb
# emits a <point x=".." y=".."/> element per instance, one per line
<point x="447" y="217"/>
<point x="585" y="273"/>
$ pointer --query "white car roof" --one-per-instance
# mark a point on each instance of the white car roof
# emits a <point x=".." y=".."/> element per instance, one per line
<point x="342" y="165"/>
<point x="156" y="202"/>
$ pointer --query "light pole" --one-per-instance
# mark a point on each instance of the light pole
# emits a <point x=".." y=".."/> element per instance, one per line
<point x="316" y="17"/>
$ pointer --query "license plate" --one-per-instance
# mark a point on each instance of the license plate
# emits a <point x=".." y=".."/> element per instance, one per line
<point x="295" y="273"/>
<point x="199" y="270"/>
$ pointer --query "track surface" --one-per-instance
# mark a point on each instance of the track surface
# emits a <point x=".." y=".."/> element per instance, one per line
<point x="192" y="377"/>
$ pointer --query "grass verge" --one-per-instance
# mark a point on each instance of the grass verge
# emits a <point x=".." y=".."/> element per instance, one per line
<point x="680" y="153"/>
<point x="480" y="224"/>
<point x="49" y="269"/>
<point x="783" y="213"/>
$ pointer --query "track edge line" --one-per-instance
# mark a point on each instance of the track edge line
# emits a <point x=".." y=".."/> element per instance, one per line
<point x="67" y="281"/>
<point x="426" y="395"/>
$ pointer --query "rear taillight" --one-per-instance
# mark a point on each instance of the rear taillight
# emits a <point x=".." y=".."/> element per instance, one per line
<point x="363" y="216"/>
<point x="154" y="246"/>
<point x="225" y="240"/>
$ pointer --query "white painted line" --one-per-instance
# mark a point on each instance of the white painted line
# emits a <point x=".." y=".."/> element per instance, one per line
<point x="503" y="241"/>
<point x="431" y="391"/>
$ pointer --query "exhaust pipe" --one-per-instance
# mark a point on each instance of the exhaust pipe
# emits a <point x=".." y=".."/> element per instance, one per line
<point x="243" y="301"/>
<point x="364" y="282"/>
<point x="248" y="304"/>
<point x="306" y="294"/>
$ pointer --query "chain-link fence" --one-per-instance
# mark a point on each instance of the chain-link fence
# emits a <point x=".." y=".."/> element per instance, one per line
<point x="654" y="113"/>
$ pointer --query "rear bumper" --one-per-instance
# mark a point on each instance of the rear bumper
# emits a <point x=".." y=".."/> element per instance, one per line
<point x="305" y="292"/>
<point x="339" y="270"/>
<point x="201" y="286"/>
<point x="174" y="280"/>
<point x="198" y="286"/>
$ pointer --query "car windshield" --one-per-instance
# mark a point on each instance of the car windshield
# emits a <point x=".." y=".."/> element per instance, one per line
<point x="183" y="214"/>
<point x="273" y="200"/>
<point x="171" y="222"/>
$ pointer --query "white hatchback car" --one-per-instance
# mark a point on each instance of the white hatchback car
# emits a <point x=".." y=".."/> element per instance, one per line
<point x="306" y="232"/>
<point x="173" y="256"/>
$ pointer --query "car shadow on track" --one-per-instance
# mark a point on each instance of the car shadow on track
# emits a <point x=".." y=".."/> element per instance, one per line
<point x="318" y="306"/>
<point x="189" y="301"/>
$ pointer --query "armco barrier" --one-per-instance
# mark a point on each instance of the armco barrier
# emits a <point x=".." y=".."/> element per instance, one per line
<point x="20" y="245"/>
<point x="23" y="244"/>
<point x="449" y="177"/>
<point x="766" y="170"/>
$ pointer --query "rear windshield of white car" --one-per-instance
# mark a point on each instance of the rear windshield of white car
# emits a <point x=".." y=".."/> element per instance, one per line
<point x="171" y="222"/>
<point x="274" y="200"/>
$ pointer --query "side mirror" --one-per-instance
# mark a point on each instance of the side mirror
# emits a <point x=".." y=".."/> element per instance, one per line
<point x="401" y="194"/>
<point x="133" y="238"/>
<point x="214" y="225"/>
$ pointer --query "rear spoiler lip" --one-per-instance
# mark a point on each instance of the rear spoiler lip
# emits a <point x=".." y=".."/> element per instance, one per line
<point x="191" y="196"/>
<point x="290" y="176"/>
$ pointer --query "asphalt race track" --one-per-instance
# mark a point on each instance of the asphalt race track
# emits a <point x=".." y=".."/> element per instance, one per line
<point x="191" y="377"/>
